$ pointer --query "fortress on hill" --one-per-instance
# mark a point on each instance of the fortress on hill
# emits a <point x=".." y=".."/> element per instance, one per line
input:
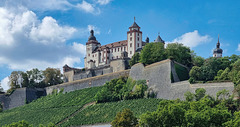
<point x="113" y="57"/>
<point x="167" y="78"/>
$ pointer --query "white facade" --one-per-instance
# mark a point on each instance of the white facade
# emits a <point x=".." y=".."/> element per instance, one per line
<point x="97" y="55"/>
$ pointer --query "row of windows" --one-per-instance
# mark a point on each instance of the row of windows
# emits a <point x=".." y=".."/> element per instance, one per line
<point x="131" y="38"/>
<point x="131" y="44"/>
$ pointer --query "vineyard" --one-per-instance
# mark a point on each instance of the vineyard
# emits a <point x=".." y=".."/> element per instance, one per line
<point x="52" y="108"/>
<point x="105" y="112"/>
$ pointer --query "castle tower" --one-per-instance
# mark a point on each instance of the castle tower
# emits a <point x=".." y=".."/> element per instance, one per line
<point x="218" y="51"/>
<point x="159" y="39"/>
<point x="134" y="39"/>
<point x="91" y="45"/>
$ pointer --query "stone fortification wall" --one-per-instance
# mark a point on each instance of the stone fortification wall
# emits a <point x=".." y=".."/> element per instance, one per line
<point x="157" y="76"/>
<point x="178" y="89"/>
<point x="86" y="83"/>
<point x="20" y="97"/>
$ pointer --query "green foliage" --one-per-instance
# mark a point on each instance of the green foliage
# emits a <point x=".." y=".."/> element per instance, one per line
<point x="135" y="59"/>
<point x="180" y="53"/>
<point x="189" y="96"/>
<point x="199" y="93"/>
<point x="152" y="52"/>
<point x="182" y="72"/>
<point x="19" y="124"/>
<point x="51" y="108"/>
<point x="235" y="73"/>
<point x="198" y="61"/>
<point x="121" y="89"/>
<point x="52" y="76"/>
<point x="223" y="94"/>
<point x="124" y="119"/>
<point x="203" y="113"/>
<point x="105" y="112"/>
<point x="26" y="124"/>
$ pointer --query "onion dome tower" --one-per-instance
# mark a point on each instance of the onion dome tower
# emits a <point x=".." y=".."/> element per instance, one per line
<point x="218" y="51"/>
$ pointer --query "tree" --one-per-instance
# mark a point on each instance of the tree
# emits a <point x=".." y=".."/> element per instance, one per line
<point x="189" y="96"/>
<point x="124" y="119"/>
<point x="152" y="52"/>
<point x="179" y="53"/>
<point x="198" y="61"/>
<point x="15" y="79"/>
<point x="135" y="59"/>
<point x="35" y="77"/>
<point x="199" y="93"/>
<point x="52" y="76"/>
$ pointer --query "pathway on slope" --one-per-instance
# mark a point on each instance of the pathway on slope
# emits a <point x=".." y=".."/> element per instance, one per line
<point x="75" y="113"/>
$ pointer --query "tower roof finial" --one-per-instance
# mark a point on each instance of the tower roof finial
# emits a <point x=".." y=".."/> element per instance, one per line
<point x="218" y="38"/>
<point x="134" y="18"/>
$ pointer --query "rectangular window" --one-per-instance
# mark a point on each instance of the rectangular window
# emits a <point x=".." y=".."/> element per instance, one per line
<point x="117" y="56"/>
<point x="130" y="38"/>
<point x="112" y="50"/>
<point x="138" y="34"/>
<point x="138" y="45"/>
<point x="138" y="38"/>
<point x="112" y="57"/>
<point x="130" y="52"/>
<point x="118" y="49"/>
<point x="88" y="54"/>
<point x="130" y="44"/>
<point x="115" y="49"/>
<point x="92" y="55"/>
<point x="130" y="34"/>
<point x="121" y="48"/>
<point x="124" y="48"/>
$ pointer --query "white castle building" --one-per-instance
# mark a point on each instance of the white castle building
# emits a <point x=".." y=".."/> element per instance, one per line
<point x="97" y="55"/>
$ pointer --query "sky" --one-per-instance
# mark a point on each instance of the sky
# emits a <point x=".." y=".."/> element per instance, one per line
<point x="52" y="33"/>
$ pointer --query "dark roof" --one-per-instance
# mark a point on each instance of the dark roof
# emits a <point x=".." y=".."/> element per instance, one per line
<point x="159" y="39"/>
<point x="92" y="37"/>
<point x="217" y="50"/>
<point x="134" y="25"/>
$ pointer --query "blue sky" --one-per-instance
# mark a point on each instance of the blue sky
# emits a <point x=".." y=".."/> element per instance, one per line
<point x="51" y="33"/>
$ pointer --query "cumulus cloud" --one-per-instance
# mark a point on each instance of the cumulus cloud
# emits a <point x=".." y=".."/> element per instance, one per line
<point x="27" y="42"/>
<point x="192" y="39"/>
<point x="103" y="2"/>
<point x="87" y="7"/>
<point x="62" y="5"/>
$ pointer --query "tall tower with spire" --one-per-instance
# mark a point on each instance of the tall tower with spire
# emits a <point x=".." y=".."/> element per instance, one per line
<point x="218" y="51"/>
<point x="134" y="39"/>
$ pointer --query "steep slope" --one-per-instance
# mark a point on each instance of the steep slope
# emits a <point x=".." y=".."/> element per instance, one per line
<point x="52" y="108"/>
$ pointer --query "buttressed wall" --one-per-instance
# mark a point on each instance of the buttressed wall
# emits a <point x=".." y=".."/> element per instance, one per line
<point x="158" y="76"/>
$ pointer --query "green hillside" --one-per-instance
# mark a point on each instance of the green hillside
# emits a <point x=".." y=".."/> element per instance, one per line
<point x="57" y="107"/>
<point x="52" y="108"/>
<point x="105" y="112"/>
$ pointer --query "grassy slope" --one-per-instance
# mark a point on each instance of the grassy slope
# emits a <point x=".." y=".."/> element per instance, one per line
<point x="51" y="108"/>
<point x="105" y="112"/>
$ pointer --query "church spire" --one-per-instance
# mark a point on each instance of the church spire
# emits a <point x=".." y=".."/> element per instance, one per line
<point x="218" y="43"/>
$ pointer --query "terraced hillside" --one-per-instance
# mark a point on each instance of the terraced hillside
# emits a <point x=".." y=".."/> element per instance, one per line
<point x="105" y="112"/>
<point x="52" y="108"/>
<point x="68" y="109"/>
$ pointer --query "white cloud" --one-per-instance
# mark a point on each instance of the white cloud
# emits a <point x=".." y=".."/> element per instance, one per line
<point x="27" y="42"/>
<point x="192" y="39"/>
<point x="87" y="7"/>
<point x="4" y="84"/>
<point x="50" y="32"/>
<point x="103" y="2"/>
<point x="238" y="49"/>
